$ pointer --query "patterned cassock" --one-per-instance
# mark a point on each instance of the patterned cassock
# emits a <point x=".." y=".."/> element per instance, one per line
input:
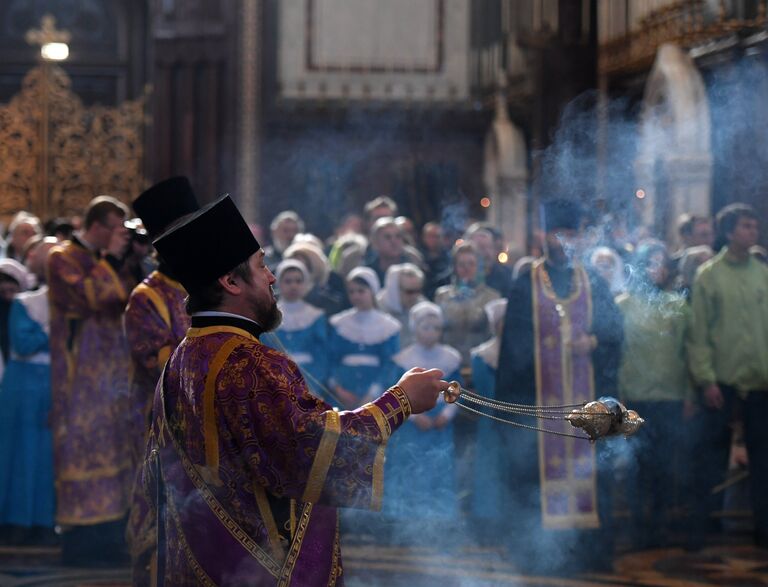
<point x="89" y="386"/>
<point x="247" y="468"/>
<point x="155" y="322"/>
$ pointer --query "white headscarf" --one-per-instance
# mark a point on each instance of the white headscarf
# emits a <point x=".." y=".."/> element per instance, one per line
<point x="389" y="296"/>
<point x="299" y="266"/>
<point x="18" y="272"/>
<point x="423" y="310"/>
<point x="494" y="311"/>
<point x="616" y="280"/>
<point x="292" y="264"/>
<point x="368" y="275"/>
<point x="319" y="267"/>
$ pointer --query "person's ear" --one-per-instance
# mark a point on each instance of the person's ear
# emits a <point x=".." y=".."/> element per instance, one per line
<point x="231" y="284"/>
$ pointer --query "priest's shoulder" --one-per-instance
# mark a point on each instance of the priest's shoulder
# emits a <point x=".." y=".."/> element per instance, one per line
<point x="65" y="248"/>
<point x="262" y="357"/>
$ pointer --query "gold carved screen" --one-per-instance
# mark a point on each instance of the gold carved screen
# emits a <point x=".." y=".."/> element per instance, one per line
<point x="56" y="154"/>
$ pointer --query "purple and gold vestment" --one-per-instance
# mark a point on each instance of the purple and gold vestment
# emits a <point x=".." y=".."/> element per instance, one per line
<point x="89" y="385"/>
<point x="155" y="323"/>
<point x="248" y="467"/>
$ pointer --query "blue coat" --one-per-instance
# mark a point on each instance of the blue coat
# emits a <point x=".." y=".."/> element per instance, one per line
<point x="26" y="447"/>
<point x="361" y="346"/>
<point x="420" y="477"/>
<point x="303" y="336"/>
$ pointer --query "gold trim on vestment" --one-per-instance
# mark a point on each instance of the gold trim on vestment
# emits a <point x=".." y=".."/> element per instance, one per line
<point x="210" y="429"/>
<point x="163" y="355"/>
<point x="196" y="567"/>
<point x="381" y="420"/>
<point x="205" y="331"/>
<point x="172" y="282"/>
<point x="323" y="457"/>
<point x="91" y="474"/>
<point x="156" y="299"/>
<point x="377" y="479"/>
<point x="269" y="522"/>
<point x="295" y="550"/>
<point x="335" y="567"/>
<point x="539" y="283"/>
<point x="210" y="499"/>
<point x="62" y="521"/>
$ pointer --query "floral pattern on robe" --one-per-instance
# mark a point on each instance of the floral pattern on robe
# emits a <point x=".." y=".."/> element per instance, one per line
<point x="89" y="386"/>
<point x="252" y="434"/>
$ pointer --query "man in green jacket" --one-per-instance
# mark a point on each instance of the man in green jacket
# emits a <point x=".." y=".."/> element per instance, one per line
<point x="728" y="359"/>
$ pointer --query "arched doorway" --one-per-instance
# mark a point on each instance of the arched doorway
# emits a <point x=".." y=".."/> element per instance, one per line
<point x="674" y="163"/>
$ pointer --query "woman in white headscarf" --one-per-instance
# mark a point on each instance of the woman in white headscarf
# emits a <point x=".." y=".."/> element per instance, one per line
<point x="327" y="288"/>
<point x="487" y="481"/>
<point x="420" y="471"/>
<point x="361" y="343"/>
<point x="26" y="447"/>
<point x="403" y="286"/>
<point x="303" y="332"/>
<point x="609" y="265"/>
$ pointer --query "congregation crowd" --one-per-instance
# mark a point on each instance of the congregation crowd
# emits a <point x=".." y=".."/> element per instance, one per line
<point x="678" y="334"/>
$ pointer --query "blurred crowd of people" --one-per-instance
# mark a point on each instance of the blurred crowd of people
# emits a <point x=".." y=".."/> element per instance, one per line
<point x="378" y="297"/>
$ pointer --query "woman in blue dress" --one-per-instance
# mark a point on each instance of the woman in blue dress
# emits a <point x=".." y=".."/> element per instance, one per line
<point x="26" y="447"/>
<point x="303" y="332"/>
<point x="361" y="343"/>
<point x="420" y="480"/>
<point x="487" y="480"/>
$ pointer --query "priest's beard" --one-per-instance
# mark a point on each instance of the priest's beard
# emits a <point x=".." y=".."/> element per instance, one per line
<point x="268" y="315"/>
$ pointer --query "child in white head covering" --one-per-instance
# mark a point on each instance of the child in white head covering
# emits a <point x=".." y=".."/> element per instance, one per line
<point x="486" y="497"/>
<point x="361" y="343"/>
<point x="424" y="443"/>
<point x="303" y="332"/>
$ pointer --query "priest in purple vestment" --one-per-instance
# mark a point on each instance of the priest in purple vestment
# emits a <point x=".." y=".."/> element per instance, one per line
<point x="155" y="322"/>
<point x="244" y="468"/>
<point x="561" y="344"/>
<point x="155" y="318"/>
<point x="93" y="464"/>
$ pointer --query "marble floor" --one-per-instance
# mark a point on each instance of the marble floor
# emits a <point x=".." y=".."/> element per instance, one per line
<point x="727" y="565"/>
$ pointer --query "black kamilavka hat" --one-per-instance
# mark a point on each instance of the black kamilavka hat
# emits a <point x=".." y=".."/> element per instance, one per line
<point x="208" y="244"/>
<point x="560" y="213"/>
<point x="165" y="202"/>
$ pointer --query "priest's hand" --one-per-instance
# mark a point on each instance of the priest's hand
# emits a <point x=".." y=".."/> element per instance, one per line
<point x="422" y="387"/>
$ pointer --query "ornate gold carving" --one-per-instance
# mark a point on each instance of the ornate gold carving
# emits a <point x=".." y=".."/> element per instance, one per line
<point x="56" y="154"/>
<point x="683" y="23"/>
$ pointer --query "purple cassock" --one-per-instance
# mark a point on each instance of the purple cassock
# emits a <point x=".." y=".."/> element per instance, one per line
<point x="89" y="384"/>
<point x="568" y="472"/>
<point x="247" y="468"/>
<point x="155" y="323"/>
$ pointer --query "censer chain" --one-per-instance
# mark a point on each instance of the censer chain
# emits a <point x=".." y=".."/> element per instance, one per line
<point x="518" y="411"/>
<point x="518" y="424"/>
<point x="467" y="392"/>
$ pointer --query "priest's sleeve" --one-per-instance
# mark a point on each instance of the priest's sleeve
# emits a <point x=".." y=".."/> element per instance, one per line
<point x="295" y="444"/>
